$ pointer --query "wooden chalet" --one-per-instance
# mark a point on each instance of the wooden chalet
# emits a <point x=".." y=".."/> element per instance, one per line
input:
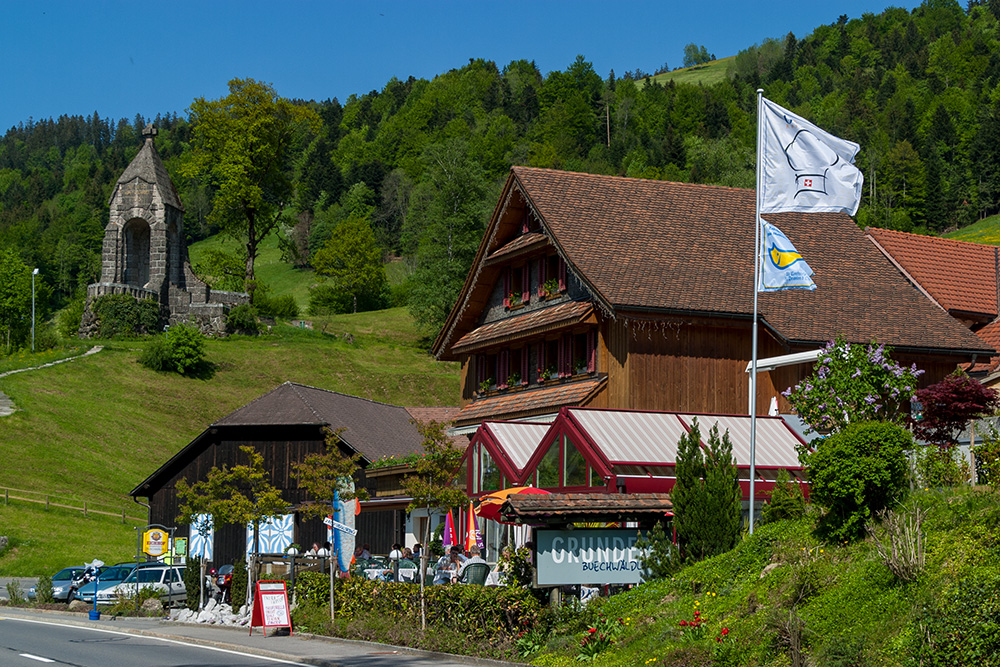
<point x="286" y="425"/>
<point x="624" y="293"/>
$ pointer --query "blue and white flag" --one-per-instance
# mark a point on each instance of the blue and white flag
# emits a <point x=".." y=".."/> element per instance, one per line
<point x="806" y="169"/>
<point x="782" y="267"/>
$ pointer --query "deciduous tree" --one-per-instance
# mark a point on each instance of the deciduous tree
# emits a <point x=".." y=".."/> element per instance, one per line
<point x="353" y="261"/>
<point x="244" y="142"/>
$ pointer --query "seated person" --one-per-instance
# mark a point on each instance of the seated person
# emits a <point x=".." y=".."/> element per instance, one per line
<point x="366" y="552"/>
<point x="447" y="566"/>
<point x="408" y="554"/>
<point x="313" y="550"/>
<point x="474" y="558"/>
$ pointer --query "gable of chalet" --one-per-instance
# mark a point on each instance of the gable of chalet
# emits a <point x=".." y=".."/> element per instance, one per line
<point x="644" y="250"/>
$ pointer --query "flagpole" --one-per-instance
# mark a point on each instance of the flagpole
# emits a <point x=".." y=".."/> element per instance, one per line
<point x="756" y="281"/>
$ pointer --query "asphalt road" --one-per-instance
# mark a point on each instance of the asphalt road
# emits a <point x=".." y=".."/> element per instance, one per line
<point x="34" y="641"/>
<point x="32" y="637"/>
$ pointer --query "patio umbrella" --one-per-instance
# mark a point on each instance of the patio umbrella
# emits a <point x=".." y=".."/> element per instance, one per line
<point x="449" y="537"/>
<point x="489" y="505"/>
<point x="472" y="535"/>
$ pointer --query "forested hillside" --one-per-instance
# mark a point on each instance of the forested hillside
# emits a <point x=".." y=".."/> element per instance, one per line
<point x="414" y="169"/>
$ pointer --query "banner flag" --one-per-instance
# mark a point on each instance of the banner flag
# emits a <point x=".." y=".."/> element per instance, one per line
<point x="806" y="169"/>
<point x="782" y="267"/>
<point x="449" y="537"/>
<point x="472" y="535"/>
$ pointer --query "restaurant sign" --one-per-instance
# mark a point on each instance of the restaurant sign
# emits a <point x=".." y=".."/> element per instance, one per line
<point x="589" y="556"/>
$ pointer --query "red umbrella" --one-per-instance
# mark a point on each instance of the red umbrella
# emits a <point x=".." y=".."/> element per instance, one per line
<point x="489" y="505"/>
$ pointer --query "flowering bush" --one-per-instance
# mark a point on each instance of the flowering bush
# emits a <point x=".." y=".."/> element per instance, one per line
<point x="853" y="383"/>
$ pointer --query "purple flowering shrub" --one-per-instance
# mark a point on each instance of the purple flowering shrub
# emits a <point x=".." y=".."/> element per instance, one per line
<point x="853" y="383"/>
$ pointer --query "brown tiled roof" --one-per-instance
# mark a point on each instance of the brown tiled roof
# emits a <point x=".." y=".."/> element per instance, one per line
<point x="519" y="243"/>
<point x="531" y="401"/>
<point x="572" y="507"/>
<point x="528" y="324"/>
<point x="372" y="428"/>
<point x="959" y="275"/>
<point x="645" y="246"/>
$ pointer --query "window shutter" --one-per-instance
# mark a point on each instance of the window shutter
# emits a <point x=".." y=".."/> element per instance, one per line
<point x="524" y="223"/>
<point x="526" y="283"/>
<point x="480" y="368"/>
<point x="562" y="274"/>
<point x="541" y="360"/>
<point x="524" y="365"/>
<point x="503" y="363"/>
<point x="591" y="351"/>
<point x="506" y="288"/>
<point x="561" y="363"/>
<point x="540" y="271"/>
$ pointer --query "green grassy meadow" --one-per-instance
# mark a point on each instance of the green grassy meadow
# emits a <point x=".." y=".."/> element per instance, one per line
<point x="706" y="75"/>
<point x="93" y="428"/>
<point x="280" y="277"/>
<point x="985" y="231"/>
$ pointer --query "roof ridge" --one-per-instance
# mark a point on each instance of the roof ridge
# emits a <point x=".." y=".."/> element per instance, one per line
<point x="702" y="186"/>
<point x="928" y="237"/>
<point x="340" y="393"/>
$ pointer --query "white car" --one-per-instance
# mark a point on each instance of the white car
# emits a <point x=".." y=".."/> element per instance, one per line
<point x="168" y="580"/>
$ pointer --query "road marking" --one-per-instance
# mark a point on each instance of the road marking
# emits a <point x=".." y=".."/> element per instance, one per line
<point x="160" y="639"/>
<point x="35" y="657"/>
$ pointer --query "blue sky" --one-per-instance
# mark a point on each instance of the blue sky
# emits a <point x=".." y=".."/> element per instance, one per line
<point x="124" y="58"/>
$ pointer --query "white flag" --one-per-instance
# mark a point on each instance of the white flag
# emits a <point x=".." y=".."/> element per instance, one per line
<point x="782" y="267"/>
<point x="806" y="169"/>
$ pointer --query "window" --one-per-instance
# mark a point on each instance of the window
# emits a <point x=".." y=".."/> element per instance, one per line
<point x="492" y="479"/>
<point x="516" y="286"/>
<point x="551" y="276"/>
<point x="574" y="465"/>
<point x="595" y="477"/>
<point x="547" y="474"/>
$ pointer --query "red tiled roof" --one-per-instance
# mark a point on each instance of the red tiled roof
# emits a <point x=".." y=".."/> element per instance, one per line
<point x="657" y="246"/>
<point x="528" y="324"/>
<point x="531" y="401"/>
<point x="959" y="275"/>
<point x="523" y="241"/>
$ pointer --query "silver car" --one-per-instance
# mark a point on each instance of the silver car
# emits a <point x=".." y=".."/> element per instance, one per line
<point x="62" y="584"/>
<point x="168" y="580"/>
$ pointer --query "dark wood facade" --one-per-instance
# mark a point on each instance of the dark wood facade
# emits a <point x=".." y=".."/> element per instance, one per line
<point x="280" y="446"/>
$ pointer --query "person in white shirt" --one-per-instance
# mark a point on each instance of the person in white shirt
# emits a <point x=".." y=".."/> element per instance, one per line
<point x="475" y="558"/>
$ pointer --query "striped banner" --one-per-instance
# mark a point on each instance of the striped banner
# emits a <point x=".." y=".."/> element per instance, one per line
<point x="202" y="534"/>
<point x="275" y="534"/>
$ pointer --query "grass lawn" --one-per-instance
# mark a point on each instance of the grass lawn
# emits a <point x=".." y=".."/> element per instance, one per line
<point x="94" y="428"/>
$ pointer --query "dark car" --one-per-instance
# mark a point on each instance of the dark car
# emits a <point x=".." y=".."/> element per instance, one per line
<point x="62" y="583"/>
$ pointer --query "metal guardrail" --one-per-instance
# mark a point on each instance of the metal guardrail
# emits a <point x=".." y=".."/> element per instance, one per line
<point x="51" y="500"/>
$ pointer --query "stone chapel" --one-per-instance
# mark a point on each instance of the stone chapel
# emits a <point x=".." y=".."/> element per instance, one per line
<point x="144" y="254"/>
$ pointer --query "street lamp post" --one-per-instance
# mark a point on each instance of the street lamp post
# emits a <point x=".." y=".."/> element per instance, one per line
<point x="33" y="274"/>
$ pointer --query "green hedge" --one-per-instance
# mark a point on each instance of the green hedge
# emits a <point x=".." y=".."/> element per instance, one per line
<point x="478" y="612"/>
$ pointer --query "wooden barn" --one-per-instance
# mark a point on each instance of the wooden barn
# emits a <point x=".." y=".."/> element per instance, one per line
<point x="285" y="425"/>
<point x="624" y="293"/>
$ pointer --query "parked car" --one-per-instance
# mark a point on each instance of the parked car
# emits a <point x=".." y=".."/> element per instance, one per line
<point x="168" y="580"/>
<point x="108" y="578"/>
<point x="62" y="583"/>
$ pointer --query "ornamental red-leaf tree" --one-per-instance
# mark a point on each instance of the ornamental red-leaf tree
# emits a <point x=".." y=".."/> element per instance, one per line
<point x="949" y="405"/>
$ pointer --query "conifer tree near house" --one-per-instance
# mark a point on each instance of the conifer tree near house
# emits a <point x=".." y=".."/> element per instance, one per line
<point x="706" y="496"/>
